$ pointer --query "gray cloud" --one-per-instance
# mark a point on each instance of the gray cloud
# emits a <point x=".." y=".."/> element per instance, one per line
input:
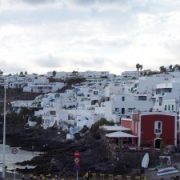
<point x="11" y="67"/>
<point x="123" y="64"/>
<point x="51" y="62"/>
<point x="97" y="42"/>
<point x="79" y="2"/>
<point x="132" y="5"/>
<point x="173" y="46"/>
<point x="68" y="2"/>
<point x="119" y="31"/>
<point x="95" y="62"/>
<point x="87" y="2"/>
<point x="48" y="61"/>
<point x="35" y="2"/>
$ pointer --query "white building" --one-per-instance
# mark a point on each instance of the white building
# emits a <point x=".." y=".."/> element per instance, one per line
<point x="43" y="86"/>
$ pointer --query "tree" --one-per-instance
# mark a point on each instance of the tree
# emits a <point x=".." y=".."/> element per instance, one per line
<point x="54" y="73"/>
<point x="74" y="80"/>
<point x="1" y="72"/>
<point x="176" y="67"/>
<point x="170" y="67"/>
<point x="75" y="73"/>
<point x="139" y="67"/>
<point x="162" y="69"/>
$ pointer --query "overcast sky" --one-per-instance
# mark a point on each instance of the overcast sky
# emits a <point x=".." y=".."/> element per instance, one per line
<point x="65" y="35"/>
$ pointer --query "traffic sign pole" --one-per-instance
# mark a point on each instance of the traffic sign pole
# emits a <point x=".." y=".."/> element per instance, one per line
<point x="14" y="151"/>
<point x="14" y="172"/>
<point x="77" y="175"/>
<point x="77" y="160"/>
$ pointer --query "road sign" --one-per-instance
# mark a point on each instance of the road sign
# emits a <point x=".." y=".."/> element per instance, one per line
<point x="76" y="154"/>
<point x="14" y="150"/>
<point x="77" y="166"/>
<point x="77" y="160"/>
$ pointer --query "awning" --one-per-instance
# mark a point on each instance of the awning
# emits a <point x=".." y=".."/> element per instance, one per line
<point x="114" y="128"/>
<point x="120" y="134"/>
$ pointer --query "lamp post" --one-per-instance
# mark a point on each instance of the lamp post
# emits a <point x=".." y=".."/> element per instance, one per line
<point x="4" y="135"/>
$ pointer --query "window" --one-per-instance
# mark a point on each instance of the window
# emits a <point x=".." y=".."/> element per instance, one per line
<point x="172" y="107"/>
<point x="160" y="101"/>
<point x="158" y="127"/>
<point x="158" y="91"/>
<point x="52" y="112"/>
<point x="178" y="125"/>
<point x="123" y="98"/>
<point x="165" y="107"/>
<point x="123" y="111"/>
<point x="116" y="109"/>
<point x="95" y="92"/>
<point x="169" y="107"/>
<point x="142" y="98"/>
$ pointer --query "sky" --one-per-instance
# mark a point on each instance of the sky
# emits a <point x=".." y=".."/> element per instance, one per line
<point x="38" y="36"/>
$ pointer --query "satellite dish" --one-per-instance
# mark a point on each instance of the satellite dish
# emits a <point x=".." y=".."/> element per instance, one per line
<point x="145" y="161"/>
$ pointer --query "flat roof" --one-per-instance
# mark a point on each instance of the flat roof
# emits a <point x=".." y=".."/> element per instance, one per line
<point x="114" y="128"/>
<point x="120" y="134"/>
<point x="126" y="119"/>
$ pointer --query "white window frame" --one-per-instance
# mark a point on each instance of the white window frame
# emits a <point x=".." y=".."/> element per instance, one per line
<point x="158" y="127"/>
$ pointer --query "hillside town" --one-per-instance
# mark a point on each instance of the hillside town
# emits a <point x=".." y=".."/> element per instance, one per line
<point x="100" y="95"/>
<point x="141" y="107"/>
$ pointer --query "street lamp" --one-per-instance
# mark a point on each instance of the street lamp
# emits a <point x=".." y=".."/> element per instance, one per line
<point x="4" y="135"/>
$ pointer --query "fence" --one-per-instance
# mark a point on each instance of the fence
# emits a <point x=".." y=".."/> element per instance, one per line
<point x="92" y="176"/>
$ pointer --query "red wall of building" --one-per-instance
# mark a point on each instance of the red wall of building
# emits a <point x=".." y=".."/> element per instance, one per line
<point x="147" y="129"/>
<point x="126" y="123"/>
<point x="135" y="128"/>
<point x="131" y="125"/>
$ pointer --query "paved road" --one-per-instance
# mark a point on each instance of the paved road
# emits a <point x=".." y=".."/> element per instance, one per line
<point x="10" y="176"/>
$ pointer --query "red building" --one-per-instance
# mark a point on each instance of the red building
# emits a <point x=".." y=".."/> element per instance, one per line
<point x="153" y="128"/>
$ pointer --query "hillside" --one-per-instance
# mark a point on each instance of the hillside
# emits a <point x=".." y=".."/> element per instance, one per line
<point x="15" y="94"/>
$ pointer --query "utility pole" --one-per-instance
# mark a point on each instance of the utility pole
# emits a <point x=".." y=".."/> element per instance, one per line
<point x="4" y="135"/>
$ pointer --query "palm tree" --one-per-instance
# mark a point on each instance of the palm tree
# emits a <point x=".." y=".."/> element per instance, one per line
<point x="139" y="67"/>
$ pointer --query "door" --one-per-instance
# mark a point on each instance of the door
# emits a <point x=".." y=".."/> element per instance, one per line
<point x="157" y="143"/>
